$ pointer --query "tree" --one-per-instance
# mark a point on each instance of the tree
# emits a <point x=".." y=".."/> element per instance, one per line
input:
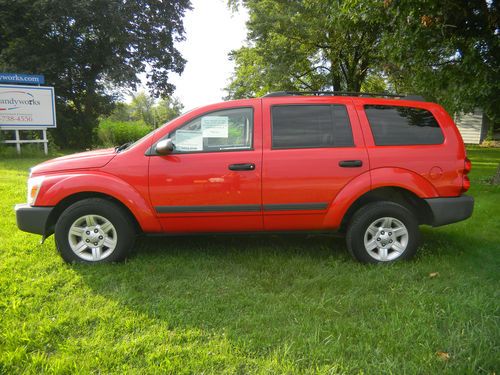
<point x="147" y="110"/>
<point x="141" y="108"/>
<point x="308" y="45"/>
<point x="144" y="107"/>
<point x="446" y="50"/>
<point x="167" y="109"/>
<point x="121" y="113"/>
<point x="88" y="49"/>
<point x="496" y="177"/>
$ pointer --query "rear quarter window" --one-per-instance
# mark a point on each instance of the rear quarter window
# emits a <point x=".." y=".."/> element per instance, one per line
<point x="397" y="125"/>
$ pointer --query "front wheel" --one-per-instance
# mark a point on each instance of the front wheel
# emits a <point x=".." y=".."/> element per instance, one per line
<point x="94" y="231"/>
<point x="383" y="232"/>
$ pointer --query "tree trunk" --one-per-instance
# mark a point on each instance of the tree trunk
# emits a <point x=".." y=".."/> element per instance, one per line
<point x="496" y="177"/>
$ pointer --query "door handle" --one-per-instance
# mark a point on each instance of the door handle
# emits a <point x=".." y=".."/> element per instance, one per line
<point x="350" y="163"/>
<point x="242" y="167"/>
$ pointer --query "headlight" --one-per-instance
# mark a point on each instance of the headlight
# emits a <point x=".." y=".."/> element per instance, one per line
<point x="34" y="185"/>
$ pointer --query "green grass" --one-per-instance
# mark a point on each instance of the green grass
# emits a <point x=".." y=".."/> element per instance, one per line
<point x="254" y="304"/>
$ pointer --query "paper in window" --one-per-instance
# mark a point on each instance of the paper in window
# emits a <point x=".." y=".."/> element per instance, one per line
<point x="215" y="126"/>
<point x="189" y="140"/>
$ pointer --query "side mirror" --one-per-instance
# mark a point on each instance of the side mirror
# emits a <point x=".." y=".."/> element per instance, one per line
<point x="164" y="147"/>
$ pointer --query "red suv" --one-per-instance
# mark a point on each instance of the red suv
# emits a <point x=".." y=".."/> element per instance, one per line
<point x="373" y="167"/>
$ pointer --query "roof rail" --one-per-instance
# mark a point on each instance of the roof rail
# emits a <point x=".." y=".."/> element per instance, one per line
<point x="344" y="93"/>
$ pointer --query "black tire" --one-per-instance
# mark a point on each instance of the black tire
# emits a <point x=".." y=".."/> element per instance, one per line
<point x="121" y="235"/>
<point x="373" y="213"/>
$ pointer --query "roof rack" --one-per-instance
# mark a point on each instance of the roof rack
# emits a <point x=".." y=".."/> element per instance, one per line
<point x="344" y="93"/>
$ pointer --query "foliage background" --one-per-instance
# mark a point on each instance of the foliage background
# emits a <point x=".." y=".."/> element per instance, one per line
<point x="112" y="133"/>
<point x="446" y="50"/>
<point x="90" y="50"/>
<point x="130" y="121"/>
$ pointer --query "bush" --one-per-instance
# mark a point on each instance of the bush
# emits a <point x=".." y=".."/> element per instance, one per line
<point x="114" y="133"/>
<point x="28" y="150"/>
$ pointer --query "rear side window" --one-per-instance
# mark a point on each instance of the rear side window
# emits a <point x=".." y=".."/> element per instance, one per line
<point x="395" y="125"/>
<point x="311" y="126"/>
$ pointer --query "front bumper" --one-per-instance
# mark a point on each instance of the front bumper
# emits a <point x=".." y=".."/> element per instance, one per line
<point x="32" y="219"/>
<point x="450" y="210"/>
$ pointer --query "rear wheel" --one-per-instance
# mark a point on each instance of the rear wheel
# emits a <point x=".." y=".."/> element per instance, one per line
<point x="383" y="232"/>
<point x="94" y="230"/>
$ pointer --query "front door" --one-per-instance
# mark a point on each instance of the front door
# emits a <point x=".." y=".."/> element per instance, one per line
<point x="212" y="180"/>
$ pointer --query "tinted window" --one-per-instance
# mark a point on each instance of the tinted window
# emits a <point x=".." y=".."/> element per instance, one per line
<point x="394" y="125"/>
<point x="231" y="129"/>
<point x="300" y="126"/>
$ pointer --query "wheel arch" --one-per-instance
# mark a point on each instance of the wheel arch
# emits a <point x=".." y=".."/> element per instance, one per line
<point x="394" y="194"/>
<point x="393" y="184"/>
<point x="76" y="197"/>
<point x="60" y="191"/>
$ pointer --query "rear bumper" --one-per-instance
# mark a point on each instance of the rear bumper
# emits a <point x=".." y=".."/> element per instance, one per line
<point x="32" y="219"/>
<point x="450" y="210"/>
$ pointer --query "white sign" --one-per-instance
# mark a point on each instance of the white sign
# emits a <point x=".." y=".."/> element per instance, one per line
<point x="215" y="126"/>
<point x="27" y="107"/>
<point x="188" y="140"/>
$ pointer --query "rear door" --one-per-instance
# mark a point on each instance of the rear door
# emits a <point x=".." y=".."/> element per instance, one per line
<point x="212" y="181"/>
<point x="312" y="148"/>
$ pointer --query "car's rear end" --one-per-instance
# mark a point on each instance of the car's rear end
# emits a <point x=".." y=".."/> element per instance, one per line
<point x="417" y="144"/>
<point x="418" y="174"/>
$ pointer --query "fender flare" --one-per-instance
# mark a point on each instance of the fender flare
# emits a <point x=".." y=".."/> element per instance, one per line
<point x="371" y="180"/>
<point x="102" y="183"/>
<point x="405" y="179"/>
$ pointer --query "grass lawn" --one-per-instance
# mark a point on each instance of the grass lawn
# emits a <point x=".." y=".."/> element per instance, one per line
<point x="254" y="304"/>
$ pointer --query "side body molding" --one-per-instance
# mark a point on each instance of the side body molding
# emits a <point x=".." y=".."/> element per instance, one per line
<point x="374" y="179"/>
<point x="99" y="182"/>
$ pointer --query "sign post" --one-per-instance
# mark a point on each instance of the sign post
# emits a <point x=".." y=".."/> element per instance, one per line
<point x="26" y="108"/>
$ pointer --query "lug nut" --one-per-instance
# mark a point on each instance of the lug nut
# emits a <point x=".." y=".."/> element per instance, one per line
<point x="95" y="231"/>
<point x="87" y="240"/>
<point x="87" y="232"/>
<point x="382" y="232"/>
<point x="100" y="237"/>
<point x="390" y="233"/>
<point x="383" y="243"/>
<point x="378" y="239"/>
<point x="390" y="241"/>
<point x="95" y="243"/>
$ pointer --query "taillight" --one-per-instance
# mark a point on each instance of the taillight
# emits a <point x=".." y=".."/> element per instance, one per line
<point x="465" y="179"/>
<point x="467" y="166"/>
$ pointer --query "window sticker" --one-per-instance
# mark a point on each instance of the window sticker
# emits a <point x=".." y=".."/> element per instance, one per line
<point x="215" y="126"/>
<point x="188" y="140"/>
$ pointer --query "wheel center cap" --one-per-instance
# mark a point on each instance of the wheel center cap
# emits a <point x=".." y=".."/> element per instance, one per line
<point x="93" y="236"/>
<point x="385" y="238"/>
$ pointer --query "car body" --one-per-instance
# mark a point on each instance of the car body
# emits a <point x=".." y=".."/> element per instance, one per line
<point x="283" y="162"/>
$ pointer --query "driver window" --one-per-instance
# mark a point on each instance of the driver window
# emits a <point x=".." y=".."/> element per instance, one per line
<point x="226" y="130"/>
